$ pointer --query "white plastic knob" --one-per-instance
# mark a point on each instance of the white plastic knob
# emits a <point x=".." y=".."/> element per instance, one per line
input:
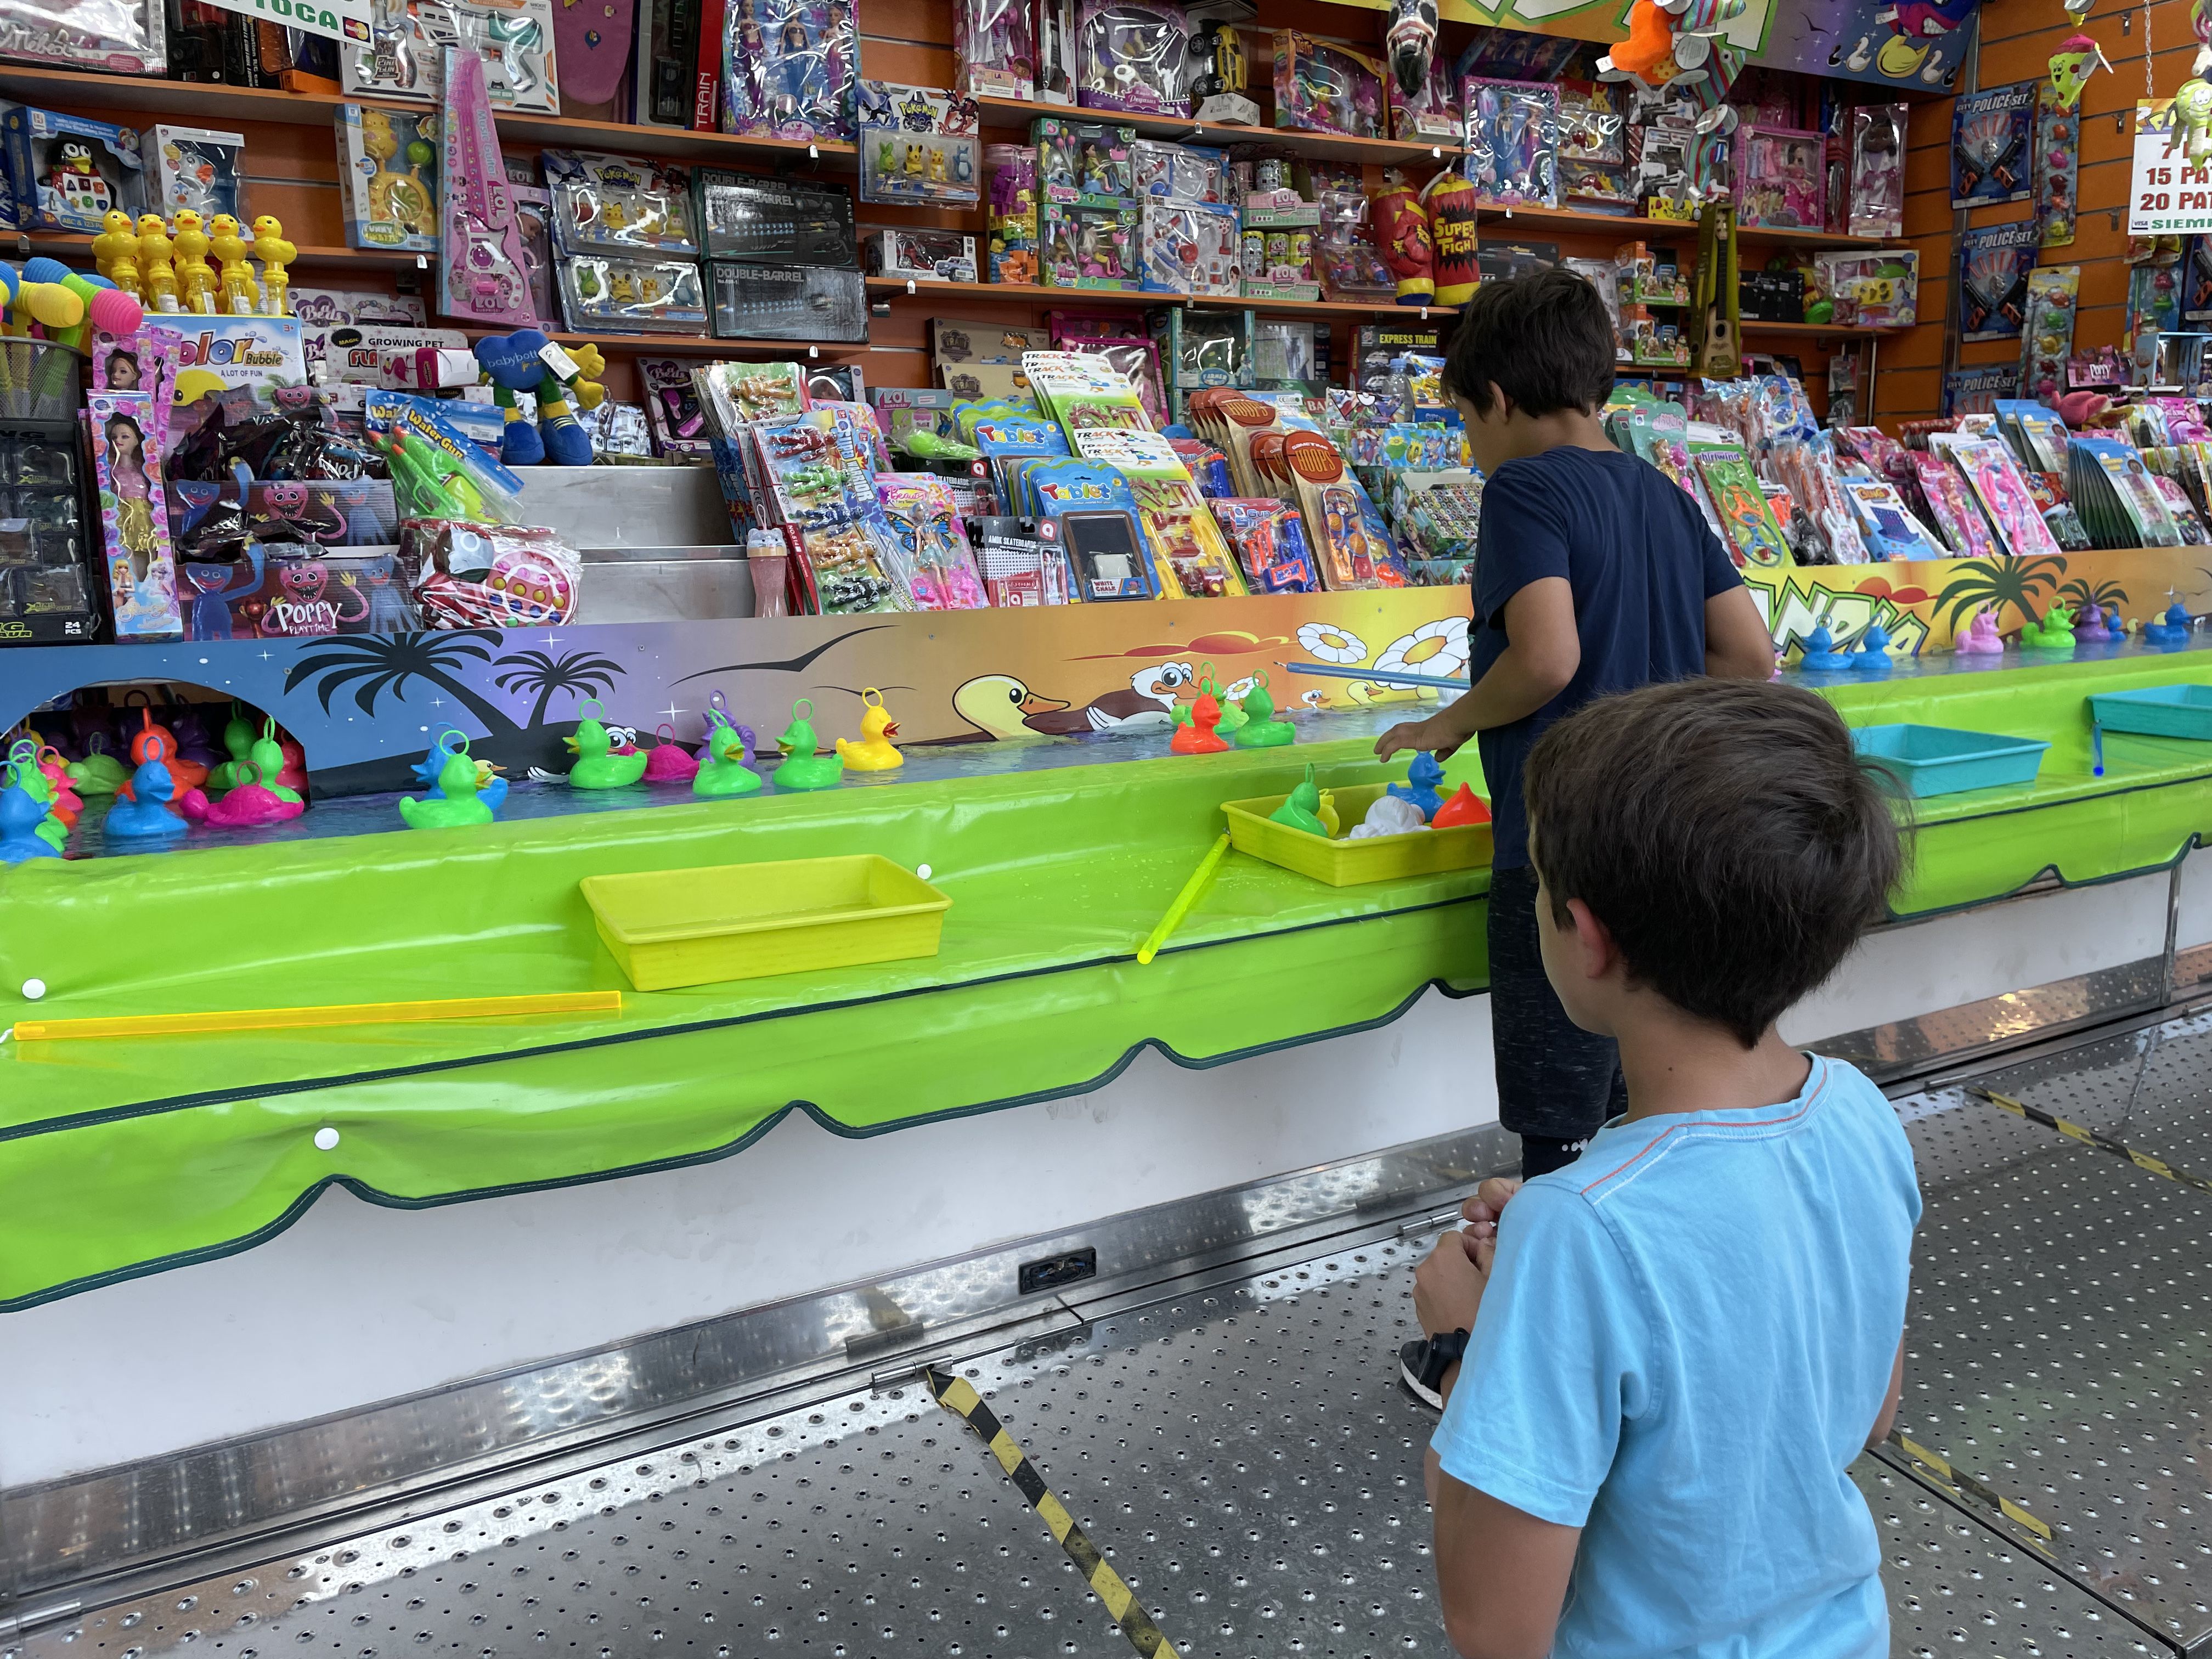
<point x="921" y="870"/>
<point x="34" y="990"/>
<point x="325" y="1139"/>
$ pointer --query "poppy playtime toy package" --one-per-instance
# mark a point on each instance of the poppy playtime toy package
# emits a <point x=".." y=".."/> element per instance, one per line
<point x="918" y="146"/>
<point x="789" y="68"/>
<point x="1134" y="55"/>
<point x="69" y="174"/>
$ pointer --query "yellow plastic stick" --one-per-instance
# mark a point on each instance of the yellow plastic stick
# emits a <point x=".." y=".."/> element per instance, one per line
<point x="343" y="1013"/>
<point x="1185" y="899"/>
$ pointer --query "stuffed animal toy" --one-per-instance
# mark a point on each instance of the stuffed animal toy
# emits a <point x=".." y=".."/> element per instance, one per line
<point x="521" y="362"/>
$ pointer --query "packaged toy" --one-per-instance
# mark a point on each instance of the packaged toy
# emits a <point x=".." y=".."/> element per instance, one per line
<point x="69" y="174"/>
<point x="798" y="302"/>
<point x="1323" y="87"/>
<point x="1994" y="261"/>
<point x="1190" y="249"/>
<point x="1779" y="179"/>
<point x="134" y="517"/>
<point x="819" y="485"/>
<point x="619" y="204"/>
<point x="483" y="276"/>
<point x="945" y="256"/>
<point x="789" y="68"/>
<point x="1990" y="133"/>
<point x="191" y="167"/>
<point x="533" y="219"/>
<point x="1088" y="246"/>
<point x="263" y="355"/>
<point x="1190" y="558"/>
<point x="1135" y="359"/>
<point x="1014" y="213"/>
<point x="603" y="293"/>
<point x="1432" y="113"/>
<point x="1877" y="288"/>
<point x="1132" y="55"/>
<point x="672" y="406"/>
<point x="774" y="221"/>
<point x="126" y="38"/>
<point x="918" y="146"/>
<point x="1179" y="173"/>
<point x="2057" y="163"/>
<point x="2046" y="335"/>
<point x="995" y="42"/>
<point x="924" y="517"/>
<point x="1754" y="531"/>
<point x="1269" y="539"/>
<point x="1512" y="142"/>
<point x="1083" y="162"/>
<point x="1087" y="508"/>
<point x="1877" y="189"/>
<point x="403" y="56"/>
<point x="1990" y="471"/>
<point x="388" y="171"/>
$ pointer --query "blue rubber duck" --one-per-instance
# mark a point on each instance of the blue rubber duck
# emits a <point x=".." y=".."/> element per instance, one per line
<point x="1873" y="655"/>
<point x="728" y="769"/>
<point x="1420" y="787"/>
<point x="1821" y="656"/>
<point x="20" y="815"/>
<point x="2173" y="628"/>
<point x="491" y="791"/>
<point x="456" y="806"/>
<point x="148" y="817"/>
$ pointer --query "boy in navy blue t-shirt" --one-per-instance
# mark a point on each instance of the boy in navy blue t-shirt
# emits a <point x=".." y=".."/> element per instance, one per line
<point x="1593" y="574"/>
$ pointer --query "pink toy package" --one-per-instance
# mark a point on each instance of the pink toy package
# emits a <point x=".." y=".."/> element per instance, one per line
<point x="996" y="44"/>
<point x="145" y="362"/>
<point x="1779" y="179"/>
<point x="1953" y="506"/>
<point x="134" y="517"/>
<point x="1132" y="55"/>
<point x="1877" y="204"/>
<point x="480" y="248"/>
<point x="1990" y="470"/>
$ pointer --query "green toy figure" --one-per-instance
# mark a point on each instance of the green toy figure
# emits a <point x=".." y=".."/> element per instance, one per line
<point x="1301" y="810"/>
<point x="238" y="741"/>
<point x="267" y="759"/>
<point x="596" y="768"/>
<point x="802" y="767"/>
<point x="1260" y="729"/>
<point x="2056" y="632"/>
<point x="34" y="783"/>
<point x="99" y="773"/>
<point x="725" y="772"/>
<point x="459" y="807"/>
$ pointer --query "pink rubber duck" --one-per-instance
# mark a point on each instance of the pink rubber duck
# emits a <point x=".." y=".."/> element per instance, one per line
<point x="669" y="762"/>
<point x="1980" y="635"/>
<point x="247" y="807"/>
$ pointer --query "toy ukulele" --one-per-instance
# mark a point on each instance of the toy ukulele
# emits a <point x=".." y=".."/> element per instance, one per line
<point x="479" y="239"/>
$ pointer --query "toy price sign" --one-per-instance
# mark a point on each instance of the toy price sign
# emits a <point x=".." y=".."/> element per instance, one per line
<point x="2168" y="195"/>
<point x="341" y="20"/>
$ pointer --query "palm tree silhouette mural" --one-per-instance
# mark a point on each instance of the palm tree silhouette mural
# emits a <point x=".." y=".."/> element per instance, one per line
<point x="377" y="665"/>
<point x="581" y="674"/>
<point x="1997" y="583"/>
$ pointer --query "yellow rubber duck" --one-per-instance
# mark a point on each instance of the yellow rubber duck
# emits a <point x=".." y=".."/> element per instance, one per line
<point x="117" y="240"/>
<point x="193" y="276"/>
<point x="241" y="296"/>
<point x="157" y="272"/>
<point x="874" y="751"/>
<point x="1326" y="813"/>
<point x="274" y="253"/>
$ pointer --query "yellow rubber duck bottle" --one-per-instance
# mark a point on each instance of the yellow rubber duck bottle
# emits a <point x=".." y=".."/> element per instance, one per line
<point x="117" y="240"/>
<point x="193" y="276"/>
<point x="874" y="751"/>
<point x="157" y="272"/>
<point x="241" y="294"/>
<point x="274" y="253"/>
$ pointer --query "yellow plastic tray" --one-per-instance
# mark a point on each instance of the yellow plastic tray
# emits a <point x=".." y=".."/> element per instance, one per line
<point x="1349" y="863"/>
<point x="675" y="927"/>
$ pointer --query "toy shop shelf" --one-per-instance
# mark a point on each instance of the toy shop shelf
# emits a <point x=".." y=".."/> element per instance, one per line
<point x="1751" y="325"/>
<point x="63" y="245"/>
<point x="49" y="88"/>
<point x="1574" y="219"/>
<point x="1006" y="113"/>
<point x="689" y="345"/>
<point x="1027" y="293"/>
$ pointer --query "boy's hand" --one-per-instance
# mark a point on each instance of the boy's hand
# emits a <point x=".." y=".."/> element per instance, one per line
<point x="1481" y="1212"/>
<point x="1448" y="1287"/>
<point x="1430" y="736"/>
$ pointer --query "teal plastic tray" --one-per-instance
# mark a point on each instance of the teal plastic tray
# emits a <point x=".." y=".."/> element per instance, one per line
<point x="1938" y="760"/>
<point x="2158" y="711"/>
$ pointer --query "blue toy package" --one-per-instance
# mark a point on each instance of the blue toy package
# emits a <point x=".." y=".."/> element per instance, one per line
<point x="428" y="420"/>
<point x="68" y="174"/>
<point x="1089" y="510"/>
<point x="1007" y="443"/>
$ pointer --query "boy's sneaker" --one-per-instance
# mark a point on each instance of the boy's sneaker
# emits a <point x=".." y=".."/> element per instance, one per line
<point x="1413" y="1369"/>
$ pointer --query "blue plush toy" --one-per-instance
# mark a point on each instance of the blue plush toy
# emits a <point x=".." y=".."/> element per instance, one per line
<point x="518" y="362"/>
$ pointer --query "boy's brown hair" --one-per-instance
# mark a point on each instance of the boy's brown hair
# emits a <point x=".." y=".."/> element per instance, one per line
<point x="1724" y="831"/>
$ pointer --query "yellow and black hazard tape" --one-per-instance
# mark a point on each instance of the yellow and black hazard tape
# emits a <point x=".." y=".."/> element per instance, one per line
<point x="958" y="1397"/>
<point x="2038" y="1530"/>
<point x="2088" y="1137"/>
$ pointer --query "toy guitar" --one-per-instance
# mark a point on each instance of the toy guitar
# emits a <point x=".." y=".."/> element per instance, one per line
<point x="485" y="273"/>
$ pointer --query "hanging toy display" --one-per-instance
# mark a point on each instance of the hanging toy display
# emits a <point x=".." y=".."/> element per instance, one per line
<point x="1451" y="198"/>
<point x="1669" y="39"/>
<point x="2192" y="121"/>
<point x="2057" y="163"/>
<point x="1401" y="231"/>
<point x="1411" y="43"/>
<point x="2046" y="337"/>
<point x="2078" y="57"/>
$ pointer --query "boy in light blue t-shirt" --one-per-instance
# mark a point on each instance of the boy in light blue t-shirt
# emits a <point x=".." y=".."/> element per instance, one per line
<point x="1675" y="1346"/>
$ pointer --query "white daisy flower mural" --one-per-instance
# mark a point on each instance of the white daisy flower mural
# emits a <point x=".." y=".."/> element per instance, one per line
<point x="1327" y="642"/>
<point x="1436" y="647"/>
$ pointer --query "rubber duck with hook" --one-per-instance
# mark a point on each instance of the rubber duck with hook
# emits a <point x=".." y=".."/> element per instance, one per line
<point x="1300" y="808"/>
<point x="597" y="767"/>
<point x="38" y="784"/>
<point x="21" y="814"/>
<point x="1261" y="730"/>
<point x="492" y="788"/>
<point x="1196" y="736"/>
<point x="148" y="814"/>
<point x="874" y="753"/>
<point x="669" y="761"/>
<point x="729" y="766"/>
<point x="457" y="804"/>
<point x="1422" y="777"/>
<point x="99" y="773"/>
<point x="270" y="764"/>
<point x="802" y="767"/>
<point x="246" y="804"/>
<point x="238" y="743"/>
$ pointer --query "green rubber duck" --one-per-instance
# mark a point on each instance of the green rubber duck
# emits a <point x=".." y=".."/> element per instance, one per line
<point x="238" y="739"/>
<point x="2056" y="631"/>
<point x="99" y="773"/>
<point x="459" y="807"/>
<point x="1302" y="810"/>
<point x="1260" y="729"/>
<point x="1234" y="716"/>
<point x="23" y="763"/>
<point x="595" y="768"/>
<point x="802" y="767"/>
<point x="725" y="771"/>
<point x="266" y="761"/>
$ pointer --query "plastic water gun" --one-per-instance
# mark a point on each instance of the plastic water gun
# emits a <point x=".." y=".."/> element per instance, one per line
<point x="434" y="485"/>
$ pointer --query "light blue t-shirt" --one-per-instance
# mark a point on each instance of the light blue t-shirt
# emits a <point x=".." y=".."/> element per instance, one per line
<point x="1687" y="1335"/>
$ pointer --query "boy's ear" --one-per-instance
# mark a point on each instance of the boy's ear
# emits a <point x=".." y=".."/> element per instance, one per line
<point x="1597" y="954"/>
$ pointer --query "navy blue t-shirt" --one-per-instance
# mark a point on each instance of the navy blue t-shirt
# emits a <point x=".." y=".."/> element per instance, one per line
<point x="1641" y="561"/>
